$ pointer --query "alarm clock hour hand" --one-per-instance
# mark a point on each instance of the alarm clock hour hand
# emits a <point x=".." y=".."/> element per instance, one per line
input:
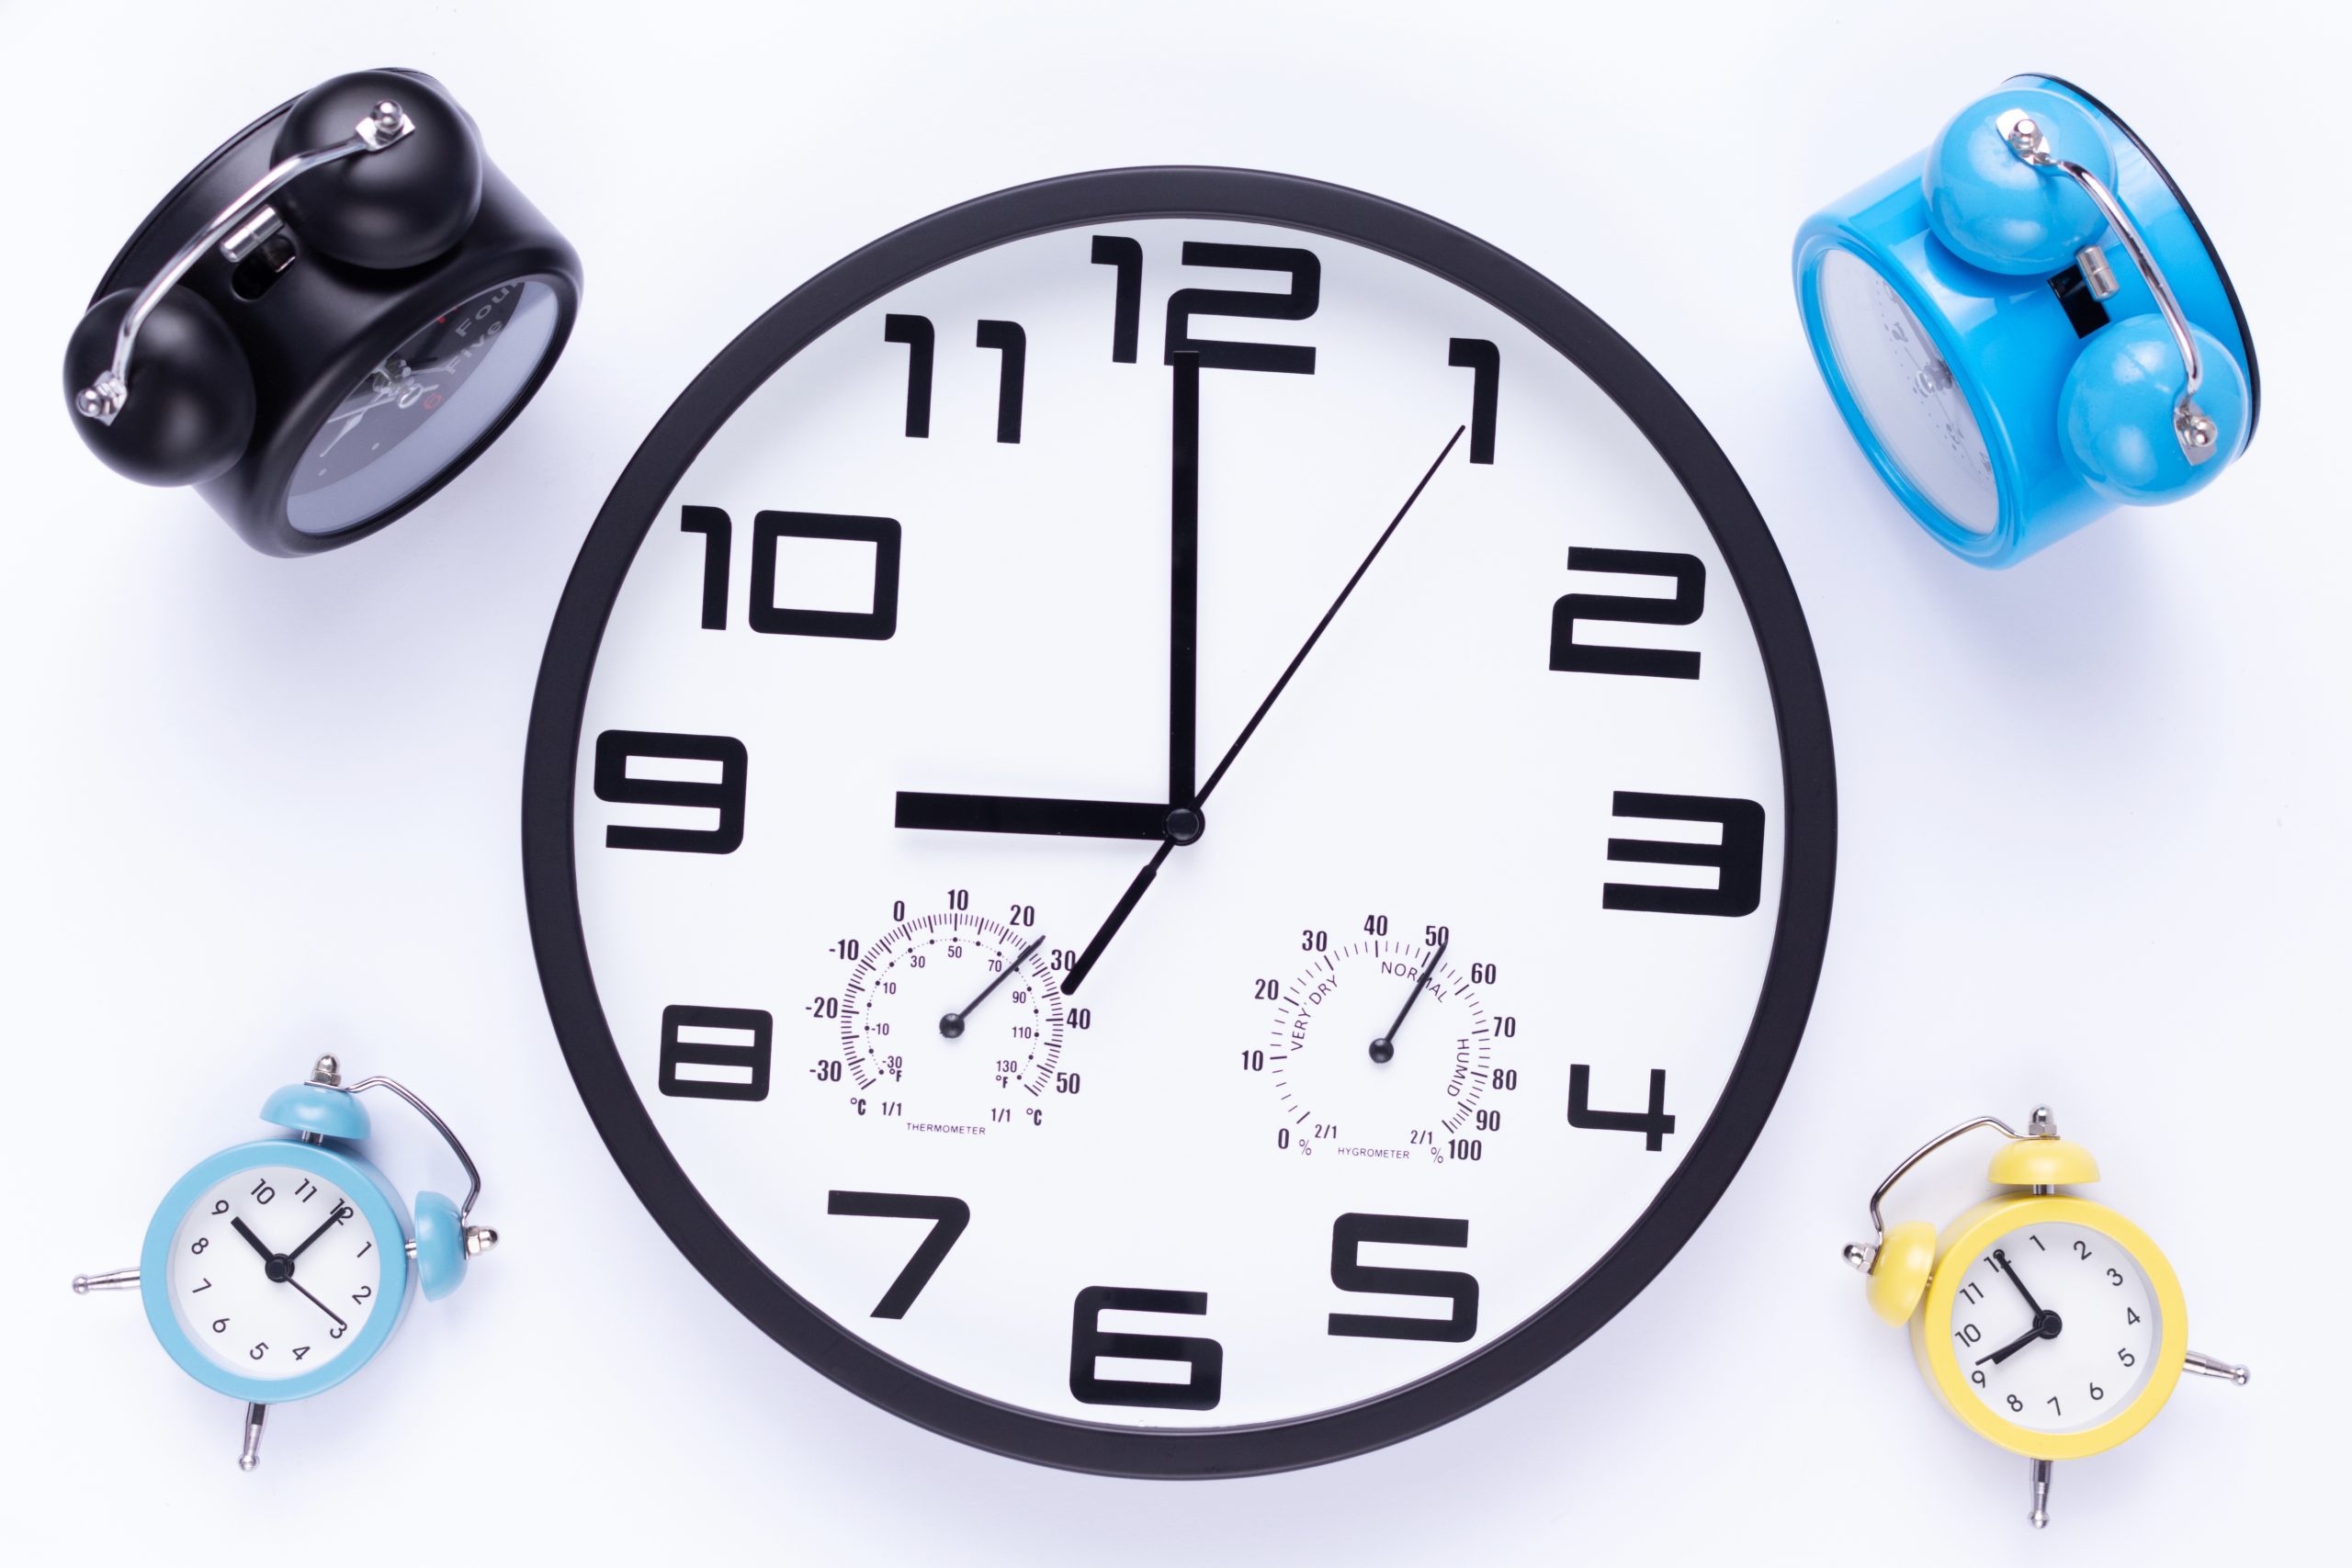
<point x="252" y="1240"/>
<point x="2045" y="1326"/>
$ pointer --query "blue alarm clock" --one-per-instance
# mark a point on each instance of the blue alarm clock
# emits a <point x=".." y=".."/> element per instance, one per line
<point x="277" y="1268"/>
<point x="2026" y="326"/>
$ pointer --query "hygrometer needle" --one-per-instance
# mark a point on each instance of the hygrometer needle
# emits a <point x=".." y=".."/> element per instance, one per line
<point x="1386" y="1046"/>
<point x="951" y="1024"/>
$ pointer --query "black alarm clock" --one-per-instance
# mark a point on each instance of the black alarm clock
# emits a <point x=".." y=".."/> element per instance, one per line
<point x="327" y="319"/>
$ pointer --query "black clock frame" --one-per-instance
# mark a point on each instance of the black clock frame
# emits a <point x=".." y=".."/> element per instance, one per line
<point x="1809" y="827"/>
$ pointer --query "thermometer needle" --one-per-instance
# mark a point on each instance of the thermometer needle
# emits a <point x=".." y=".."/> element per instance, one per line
<point x="951" y="1024"/>
<point x="1386" y="1046"/>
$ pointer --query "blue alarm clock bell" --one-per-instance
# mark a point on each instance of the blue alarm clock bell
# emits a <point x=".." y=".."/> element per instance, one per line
<point x="277" y="1268"/>
<point x="2026" y="326"/>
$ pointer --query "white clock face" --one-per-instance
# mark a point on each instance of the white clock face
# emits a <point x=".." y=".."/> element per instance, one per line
<point x="274" y="1272"/>
<point x="1908" y="393"/>
<point x="909" y="939"/>
<point x="2056" y="1328"/>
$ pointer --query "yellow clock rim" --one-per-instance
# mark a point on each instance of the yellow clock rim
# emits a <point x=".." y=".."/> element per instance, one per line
<point x="1966" y="1238"/>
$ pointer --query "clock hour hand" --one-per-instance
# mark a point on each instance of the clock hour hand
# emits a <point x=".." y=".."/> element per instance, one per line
<point x="2045" y="1326"/>
<point x="1032" y="814"/>
<point x="252" y="1240"/>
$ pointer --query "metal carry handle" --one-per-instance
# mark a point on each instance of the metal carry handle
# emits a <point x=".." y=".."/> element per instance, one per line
<point x="473" y="1177"/>
<point x="241" y="226"/>
<point x="1863" y="1255"/>
<point x="2198" y="436"/>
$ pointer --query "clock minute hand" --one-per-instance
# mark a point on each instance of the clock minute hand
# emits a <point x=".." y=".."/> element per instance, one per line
<point x="2002" y="1259"/>
<point x="332" y="1215"/>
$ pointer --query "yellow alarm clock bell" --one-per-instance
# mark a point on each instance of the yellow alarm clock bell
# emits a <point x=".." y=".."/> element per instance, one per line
<point x="2050" y="1323"/>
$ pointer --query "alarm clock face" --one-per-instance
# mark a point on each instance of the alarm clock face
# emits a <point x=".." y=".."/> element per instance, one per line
<point x="2056" y="1326"/>
<point x="1155" y="978"/>
<point x="1908" y="393"/>
<point x="274" y="1273"/>
<point x="423" y="408"/>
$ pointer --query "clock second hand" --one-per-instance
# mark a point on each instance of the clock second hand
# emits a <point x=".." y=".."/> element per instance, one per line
<point x="1143" y="879"/>
<point x="951" y="1024"/>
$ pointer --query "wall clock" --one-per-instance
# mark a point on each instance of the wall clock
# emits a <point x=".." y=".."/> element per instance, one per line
<point x="1179" y="823"/>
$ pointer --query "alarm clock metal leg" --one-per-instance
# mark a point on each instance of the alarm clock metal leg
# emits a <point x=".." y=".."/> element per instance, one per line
<point x="250" y="1456"/>
<point x="2040" y="1514"/>
<point x="128" y="1280"/>
<point x="2203" y="1366"/>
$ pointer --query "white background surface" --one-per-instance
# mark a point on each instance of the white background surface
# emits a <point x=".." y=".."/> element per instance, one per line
<point x="2092" y="811"/>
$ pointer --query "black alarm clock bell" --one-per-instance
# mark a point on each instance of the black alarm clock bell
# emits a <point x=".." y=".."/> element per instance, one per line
<point x="327" y="319"/>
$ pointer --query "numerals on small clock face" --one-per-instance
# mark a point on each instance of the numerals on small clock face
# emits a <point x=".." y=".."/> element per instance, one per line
<point x="2055" y="1327"/>
<point x="1179" y="823"/>
<point x="273" y="1271"/>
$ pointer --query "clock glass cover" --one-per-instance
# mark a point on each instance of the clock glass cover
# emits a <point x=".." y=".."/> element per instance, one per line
<point x="1908" y="393"/>
<point x="1138" y="1015"/>
<point x="423" y="408"/>
<point x="274" y="1272"/>
<point x="2056" y="1328"/>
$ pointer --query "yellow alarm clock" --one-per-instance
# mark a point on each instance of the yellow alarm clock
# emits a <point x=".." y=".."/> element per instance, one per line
<point x="2050" y="1323"/>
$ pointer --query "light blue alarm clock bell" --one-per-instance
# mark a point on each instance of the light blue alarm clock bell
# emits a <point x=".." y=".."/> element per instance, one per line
<point x="277" y="1268"/>
<point x="2026" y="326"/>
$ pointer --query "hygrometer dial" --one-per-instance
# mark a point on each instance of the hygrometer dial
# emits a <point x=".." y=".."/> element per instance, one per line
<point x="274" y="1272"/>
<point x="1384" y="1049"/>
<point x="951" y="1023"/>
<point x="1179" y="552"/>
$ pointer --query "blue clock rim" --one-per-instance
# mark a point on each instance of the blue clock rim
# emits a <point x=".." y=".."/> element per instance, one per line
<point x="1793" y="676"/>
<point x="368" y="1193"/>
<point x="1997" y="546"/>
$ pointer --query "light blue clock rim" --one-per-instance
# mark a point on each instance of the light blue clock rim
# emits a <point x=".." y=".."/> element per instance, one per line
<point x="1998" y="544"/>
<point x="368" y="1193"/>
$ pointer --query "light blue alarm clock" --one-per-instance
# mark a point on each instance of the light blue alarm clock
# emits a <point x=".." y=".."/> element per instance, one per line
<point x="277" y="1269"/>
<point x="2026" y="326"/>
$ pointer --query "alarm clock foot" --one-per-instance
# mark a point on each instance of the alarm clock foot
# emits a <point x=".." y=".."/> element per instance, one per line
<point x="128" y="1280"/>
<point x="2203" y="1366"/>
<point x="250" y="1456"/>
<point x="2040" y="1514"/>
